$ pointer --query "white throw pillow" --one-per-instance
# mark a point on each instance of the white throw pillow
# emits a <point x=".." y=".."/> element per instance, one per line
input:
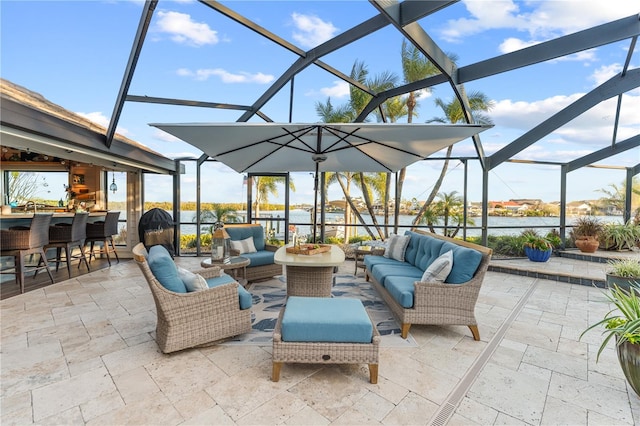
<point x="193" y="282"/>
<point x="396" y="246"/>
<point x="439" y="269"/>
<point x="244" y="246"/>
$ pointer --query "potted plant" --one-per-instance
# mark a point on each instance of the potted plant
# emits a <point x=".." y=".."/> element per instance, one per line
<point x="623" y="272"/>
<point x="536" y="247"/>
<point x="585" y="233"/>
<point x="619" y="236"/>
<point x="623" y="324"/>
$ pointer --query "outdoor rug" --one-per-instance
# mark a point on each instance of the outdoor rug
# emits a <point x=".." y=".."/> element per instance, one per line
<point x="269" y="298"/>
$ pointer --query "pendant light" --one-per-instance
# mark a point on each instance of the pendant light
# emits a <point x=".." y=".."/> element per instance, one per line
<point x="113" y="187"/>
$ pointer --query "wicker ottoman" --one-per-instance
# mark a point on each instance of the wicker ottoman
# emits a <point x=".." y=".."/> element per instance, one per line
<point x="325" y="331"/>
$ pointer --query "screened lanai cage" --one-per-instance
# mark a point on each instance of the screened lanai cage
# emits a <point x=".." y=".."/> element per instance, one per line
<point x="554" y="83"/>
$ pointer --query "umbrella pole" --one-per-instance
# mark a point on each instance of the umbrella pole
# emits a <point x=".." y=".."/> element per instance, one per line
<point x="315" y="203"/>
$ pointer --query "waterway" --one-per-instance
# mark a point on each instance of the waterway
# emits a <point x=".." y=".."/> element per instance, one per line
<point x="497" y="225"/>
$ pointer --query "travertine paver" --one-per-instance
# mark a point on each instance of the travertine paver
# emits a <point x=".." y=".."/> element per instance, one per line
<point x="82" y="351"/>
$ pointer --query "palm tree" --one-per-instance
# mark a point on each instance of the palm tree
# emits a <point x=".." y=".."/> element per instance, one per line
<point x="330" y="114"/>
<point x="393" y="109"/>
<point x="615" y="196"/>
<point x="453" y="113"/>
<point x="448" y="209"/>
<point x="346" y="113"/>
<point x="415" y="67"/>
<point x="218" y="213"/>
<point x="265" y="186"/>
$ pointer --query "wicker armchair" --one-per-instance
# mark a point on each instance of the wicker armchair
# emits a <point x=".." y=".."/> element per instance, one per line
<point x="194" y="319"/>
<point x="19" y="243"/>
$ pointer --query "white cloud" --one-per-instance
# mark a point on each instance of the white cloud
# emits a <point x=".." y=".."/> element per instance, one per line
<point x="102" y="120"/>
<point x="605" y="73"/>
<point x="311" y="30"/>
<point x="226" y="76"/>
<point x="184" y="30"/>
<point x="593" y="128"/>
<point x="340" y="89"/>
<point x="164" y="136"/>
<point x="540" y="19"/>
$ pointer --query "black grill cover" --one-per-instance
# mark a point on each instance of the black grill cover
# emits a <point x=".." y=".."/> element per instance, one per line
<point x="156" y="228"/>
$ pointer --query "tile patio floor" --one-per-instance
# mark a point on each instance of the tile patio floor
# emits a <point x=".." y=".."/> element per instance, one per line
<point x="82" y="352"/>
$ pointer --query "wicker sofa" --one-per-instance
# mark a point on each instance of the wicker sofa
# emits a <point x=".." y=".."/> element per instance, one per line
<point x="261" y="264"/>
<point x="200" y="318"/>
<point x="412" y="301"/>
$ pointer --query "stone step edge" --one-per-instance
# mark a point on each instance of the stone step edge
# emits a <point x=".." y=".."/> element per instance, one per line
<point x="552" y="276"/>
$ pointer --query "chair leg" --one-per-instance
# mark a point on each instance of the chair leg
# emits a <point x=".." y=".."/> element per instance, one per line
<point x="91" y="253"/>
<point x="58" y="255"/>
<point x="113" y="247"/>
<point x="19" y="263"/>
<point x="43" y="259"/>
<point x="83" y="256"/>
<point x="67" y="253"/>
<point x="105" y="247"/>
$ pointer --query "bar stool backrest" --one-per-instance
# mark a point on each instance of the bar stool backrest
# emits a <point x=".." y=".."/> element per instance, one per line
<point x="39" y="230"/>
<point x="79" y="227"/>
<point x="111" y="223"/>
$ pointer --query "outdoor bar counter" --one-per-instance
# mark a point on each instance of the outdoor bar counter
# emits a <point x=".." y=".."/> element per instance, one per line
<point x="17" y="219"/>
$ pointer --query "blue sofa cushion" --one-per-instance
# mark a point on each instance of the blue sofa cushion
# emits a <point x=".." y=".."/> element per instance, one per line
<point x="245" y="297"/>
<point x="165" y="269"/>
<point x="237" y="233"/>
<point x="259" y="258"/>
<point x="325" y="319"/>
<point x="465" y="263"/>
<point x="371" y="261"/>
<point x="381" y="272"/>
<point x="423" y="250"/>
<point x="402" y="289"/>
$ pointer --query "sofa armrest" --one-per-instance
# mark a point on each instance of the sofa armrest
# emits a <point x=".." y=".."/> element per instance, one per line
<point x="448" y="295"/>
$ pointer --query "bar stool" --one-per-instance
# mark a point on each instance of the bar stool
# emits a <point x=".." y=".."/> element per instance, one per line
<point x="66" y="236"/>
<point x="20" y="242"/>
<point x="103" y="232"/>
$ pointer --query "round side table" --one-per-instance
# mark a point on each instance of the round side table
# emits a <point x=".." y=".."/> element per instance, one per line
<point x="235" y="263"/>
<point x="361" y="251"/>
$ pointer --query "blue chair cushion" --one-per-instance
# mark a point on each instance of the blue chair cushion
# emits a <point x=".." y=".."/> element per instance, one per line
<point x="245" y="297"/>
<point x="465" y="263"/>
<point x="402" y="289"/>
<point x="165" y="269"/>
<point x="259" y="258"/>
<point x="237" y="233"/>
<point x="325" y="319"/>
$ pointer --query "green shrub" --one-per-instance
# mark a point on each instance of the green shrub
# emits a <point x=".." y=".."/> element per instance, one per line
<point x="359" y="238"/>
<point x="619" y="236"/>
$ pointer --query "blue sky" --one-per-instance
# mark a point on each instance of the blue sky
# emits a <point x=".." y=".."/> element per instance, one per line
<point x="74" y="53"/>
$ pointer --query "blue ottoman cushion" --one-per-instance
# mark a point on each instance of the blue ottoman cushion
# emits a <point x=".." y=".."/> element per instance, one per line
<point x="324" y="319"/>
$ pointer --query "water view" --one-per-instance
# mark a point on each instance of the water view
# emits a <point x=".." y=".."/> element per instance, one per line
<point x="498" y="225"/>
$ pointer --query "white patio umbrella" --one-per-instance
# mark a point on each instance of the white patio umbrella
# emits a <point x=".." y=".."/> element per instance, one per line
<point x="319" y="147"/>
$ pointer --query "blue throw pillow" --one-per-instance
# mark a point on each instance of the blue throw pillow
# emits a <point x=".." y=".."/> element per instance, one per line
<point x="164" y="269"/>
